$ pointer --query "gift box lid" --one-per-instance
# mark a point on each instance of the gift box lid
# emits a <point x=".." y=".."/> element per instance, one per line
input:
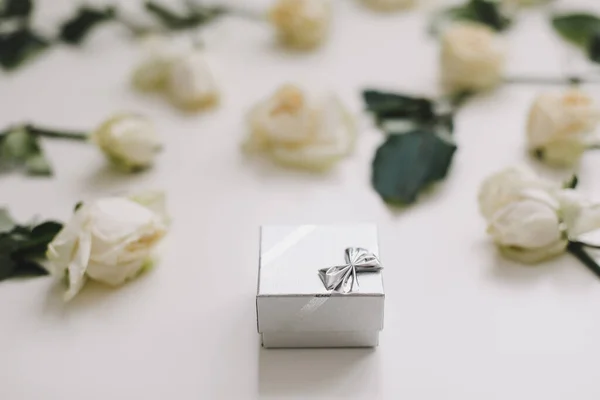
<point x="291" y="295"/>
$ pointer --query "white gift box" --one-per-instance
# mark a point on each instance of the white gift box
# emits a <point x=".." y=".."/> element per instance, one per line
<point x="295" y="309"/>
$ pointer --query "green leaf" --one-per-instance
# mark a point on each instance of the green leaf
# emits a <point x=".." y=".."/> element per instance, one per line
<point x="28" y="268"/>
<point x="75" y="30"/>
<point x="196" y="15"/>
<point x="16" y="8"/>
<point x="385" y="106"/>
<point x="488" y="12"/>
<point x="407" y="163"/>
<point x="36" y="164"/>
<point x="18" y="46"/>
<point x="577" y="28"/>
<point x="17" y="145"/>
<point x="593" y="48"/>
<point x="571" y="183"/>
<point x="7" y="266"/>
<point x="6" y="222"/>
<point x="21" y="245"/>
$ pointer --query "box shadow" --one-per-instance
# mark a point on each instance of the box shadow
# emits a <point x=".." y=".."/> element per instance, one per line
<point x="323" y="372"/>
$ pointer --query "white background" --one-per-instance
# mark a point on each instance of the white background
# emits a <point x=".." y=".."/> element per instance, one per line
<point x="461" y="322"/>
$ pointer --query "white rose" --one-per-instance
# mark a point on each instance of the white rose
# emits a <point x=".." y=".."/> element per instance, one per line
<point x="523" y="215"/>
<point x="129" y="140"/>
<point x="529" y="229"/>
<point x="109" y="240"/>
<point x="580" y="215"/>
<point x="559" y="124"/>
<point x="301" y="23"/>
<point x="150" y="75"/>
<point x="182" y="74"/>
<point x="297" y="132"/>
<point x="386" y="5"/>
<point x="506" y="186"/>
<point x="472" y="57"/>
<point x="190" y="84"/>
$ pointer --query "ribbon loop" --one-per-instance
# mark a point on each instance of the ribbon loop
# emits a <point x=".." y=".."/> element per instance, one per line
<point x="342" y="278"/>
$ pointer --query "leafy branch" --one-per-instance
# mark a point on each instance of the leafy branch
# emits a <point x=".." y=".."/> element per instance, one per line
<point x="22" y="246"/>
<point x="20" y="42"/>
<point x="20" y="148"/>
<point x="419" y="146"/>
<point x="487" y="12"/>
<point x="581" y="30"/>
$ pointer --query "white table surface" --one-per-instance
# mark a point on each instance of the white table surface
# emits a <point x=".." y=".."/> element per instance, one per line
<point x="461" y="322"/>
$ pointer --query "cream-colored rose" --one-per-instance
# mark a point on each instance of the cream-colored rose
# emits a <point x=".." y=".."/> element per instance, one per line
<point x="301" y="23"/>
<point x="109" y="240"/>
<point x="506" y="186"/>
<point x="150" y="75"/>
<point x="182" y="75"/>
<point x="531" y="219"/>
<point x="190" y="84"/>
<point x="301" y="132"/>
<point x="559" y="124"/>
<point x="529" y="229"/>
<point x="472" y="57"/>
<point x="388" y="5"/>
<point x="128" y="140"/>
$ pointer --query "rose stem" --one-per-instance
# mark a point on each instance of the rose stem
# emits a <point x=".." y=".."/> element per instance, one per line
<point x="55" y="134"/>
<point x="576" y="248"/>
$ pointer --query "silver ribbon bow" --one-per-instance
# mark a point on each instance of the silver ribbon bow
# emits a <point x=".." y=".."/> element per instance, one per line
<point x="342" y="278"/>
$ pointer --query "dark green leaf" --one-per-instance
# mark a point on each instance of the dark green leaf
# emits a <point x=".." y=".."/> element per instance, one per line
<point x="397" y="106"/>
<point x="22" y="244"/>
<point x="78" y="206"/>
<point x="593" y="48"/>
<point x="36" y="241"/>
<point x="488" y="12"/>
<point x="16" y="8"/>
<point x="28" y="268"/>
<point x="577" y="28"/>
<point x="46" y="230"/>
<point x="407" y="163"/>
<point x="18" y="46"/>
<point x="6" y="222"/>
<point x="7" y="265"/>
<point x="76" y="29"/>
<point x="572" y="183"/>
<point x="196" y="15"/>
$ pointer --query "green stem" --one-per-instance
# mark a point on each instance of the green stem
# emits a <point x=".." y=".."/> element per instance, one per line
<point x="574" y="80"/>
<point x="34" y="130"/>
<point x="577" y="249"/>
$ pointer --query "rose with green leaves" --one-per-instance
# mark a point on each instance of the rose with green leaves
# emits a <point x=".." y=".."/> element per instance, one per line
<point x="531" y="219"/>
<point x="109" y="240"/>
